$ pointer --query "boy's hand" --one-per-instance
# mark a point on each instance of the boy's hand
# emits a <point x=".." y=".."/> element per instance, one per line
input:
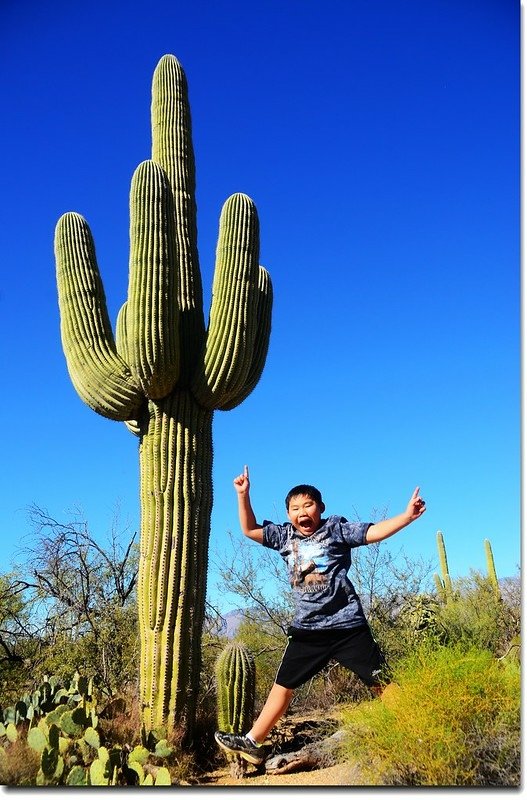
<point x="387" y="527"/>
<point x="416" y="506"/>
<point x="241" y="483"/>
<point x="250" y="527"/>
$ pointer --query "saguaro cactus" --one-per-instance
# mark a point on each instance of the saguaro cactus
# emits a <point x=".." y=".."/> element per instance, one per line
<point x="491" y="569"/>
<point x="236" y="687"/>
<point x="164" y="374"/>
<point x="443" y="583"/>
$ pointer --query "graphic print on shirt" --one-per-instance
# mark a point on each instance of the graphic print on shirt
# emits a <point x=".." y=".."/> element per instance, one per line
<point x="304" y="562"/>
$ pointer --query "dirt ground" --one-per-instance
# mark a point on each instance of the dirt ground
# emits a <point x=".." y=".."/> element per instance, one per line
<point x="338" y="775"/>
<point x="291" y="736"/>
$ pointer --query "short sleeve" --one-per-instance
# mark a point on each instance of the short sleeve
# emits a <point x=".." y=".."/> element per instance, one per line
<point x="354" y="533"/>
<point x="273" y="535"/>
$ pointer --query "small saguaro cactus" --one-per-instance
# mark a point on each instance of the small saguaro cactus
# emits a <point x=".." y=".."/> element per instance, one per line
<point x="443" y="583"/>
<point x="235" y="692"/>
<point x="164" y="374"/>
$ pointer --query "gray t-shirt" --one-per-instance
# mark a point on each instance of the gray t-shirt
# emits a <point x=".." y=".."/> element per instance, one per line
<point x="318" y="565"/>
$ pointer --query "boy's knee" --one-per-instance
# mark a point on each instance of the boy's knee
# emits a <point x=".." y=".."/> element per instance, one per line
<point x="283" y="690"/>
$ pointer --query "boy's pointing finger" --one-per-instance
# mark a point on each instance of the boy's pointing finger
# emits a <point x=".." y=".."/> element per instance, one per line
<point x="246" y="471"/>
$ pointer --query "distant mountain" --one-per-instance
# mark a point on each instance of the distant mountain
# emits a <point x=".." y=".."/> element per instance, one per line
<point x="233" y="620"/>
<point x="230" y="622"/>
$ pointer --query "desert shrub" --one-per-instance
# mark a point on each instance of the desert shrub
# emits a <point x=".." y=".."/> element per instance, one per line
<point x="415" y="620"/>
<point x="18" y="764"/>
<point x="111" y="653"/>
<point x="69" y="604"/>
<point x="476" y="617"/>
<point x="451" y="718"/>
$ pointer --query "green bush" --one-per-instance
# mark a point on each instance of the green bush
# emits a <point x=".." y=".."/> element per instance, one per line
<point x="111" y="653"/>
<point x="476" y="617"/>
<point x="451" y="718"/>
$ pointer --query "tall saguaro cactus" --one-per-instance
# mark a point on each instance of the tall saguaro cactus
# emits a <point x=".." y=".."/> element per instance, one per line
<point x="164" y="374"/>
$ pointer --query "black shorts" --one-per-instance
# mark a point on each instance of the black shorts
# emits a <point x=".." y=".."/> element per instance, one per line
<point x="308" y="652"/>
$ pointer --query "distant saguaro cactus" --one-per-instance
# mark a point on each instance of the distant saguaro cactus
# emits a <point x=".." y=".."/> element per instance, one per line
<point x="443" y="583"/>
<point x="491" y="569"/>
<point x="236" y="687"/>
<point x="164" y="374"/>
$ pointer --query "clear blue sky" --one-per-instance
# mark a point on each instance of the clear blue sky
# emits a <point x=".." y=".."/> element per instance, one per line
<point x="380" y="142"/>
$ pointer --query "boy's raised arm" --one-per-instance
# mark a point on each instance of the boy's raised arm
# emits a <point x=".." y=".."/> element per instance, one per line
<point x="250" y="527"/>
<point x="387" y="527"/>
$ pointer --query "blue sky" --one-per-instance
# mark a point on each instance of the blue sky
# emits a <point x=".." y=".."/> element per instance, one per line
<point x="380" y="143"/>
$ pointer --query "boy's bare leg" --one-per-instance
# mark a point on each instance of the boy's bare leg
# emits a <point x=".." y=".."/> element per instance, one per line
<point x="275" y="706"/>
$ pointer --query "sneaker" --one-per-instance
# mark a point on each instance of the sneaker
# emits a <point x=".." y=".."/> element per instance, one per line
<point x="240" y="745"/>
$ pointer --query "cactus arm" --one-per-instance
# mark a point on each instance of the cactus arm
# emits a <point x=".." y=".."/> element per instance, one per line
<point x="261" y="343"/>
<point x="440" y="588"/>
<point x="172" y="149"/>
<point x="100" y="376"/>
<point x="151" y="331"/>
<point x="228" y="353"/>
<point x="121" y="338"/>
<point x="133" y="425"/>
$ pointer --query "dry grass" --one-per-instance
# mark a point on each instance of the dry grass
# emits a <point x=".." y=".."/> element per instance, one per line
<point x="20" y="764"/>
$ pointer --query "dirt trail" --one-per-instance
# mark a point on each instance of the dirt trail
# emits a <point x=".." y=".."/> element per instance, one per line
<point x="291" y="736"/>
<point x="338" y="775"/>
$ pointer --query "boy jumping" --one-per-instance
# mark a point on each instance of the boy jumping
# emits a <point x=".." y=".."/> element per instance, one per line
<point x="329" y="622"/>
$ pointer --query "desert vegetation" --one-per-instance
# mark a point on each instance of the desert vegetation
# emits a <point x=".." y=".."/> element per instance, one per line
<point x="69" y="672"/>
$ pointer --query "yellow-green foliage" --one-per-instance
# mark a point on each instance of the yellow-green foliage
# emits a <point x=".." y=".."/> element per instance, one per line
<point x="451" y="718"/>
<point x="477" y="617"/>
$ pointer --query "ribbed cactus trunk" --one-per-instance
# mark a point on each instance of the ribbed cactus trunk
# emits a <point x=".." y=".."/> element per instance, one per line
<point x="164" y="374"/>
<point x="176" y="503"/>
<point x="236" y="687"/>
<point x="235" y="695"/>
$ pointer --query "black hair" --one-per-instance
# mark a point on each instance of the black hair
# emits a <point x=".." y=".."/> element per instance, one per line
<point x="307" y="489"/>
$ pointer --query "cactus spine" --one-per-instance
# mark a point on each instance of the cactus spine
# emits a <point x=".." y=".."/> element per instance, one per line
<point x="164" y="374"/>
<point x="443" y="583"/>
<point x="236" y="688"/>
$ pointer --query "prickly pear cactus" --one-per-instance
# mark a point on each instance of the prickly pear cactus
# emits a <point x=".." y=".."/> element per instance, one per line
<point x="164" y="374"/>
<point x="419" y="615"/>
<point x="235" y="692"/>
